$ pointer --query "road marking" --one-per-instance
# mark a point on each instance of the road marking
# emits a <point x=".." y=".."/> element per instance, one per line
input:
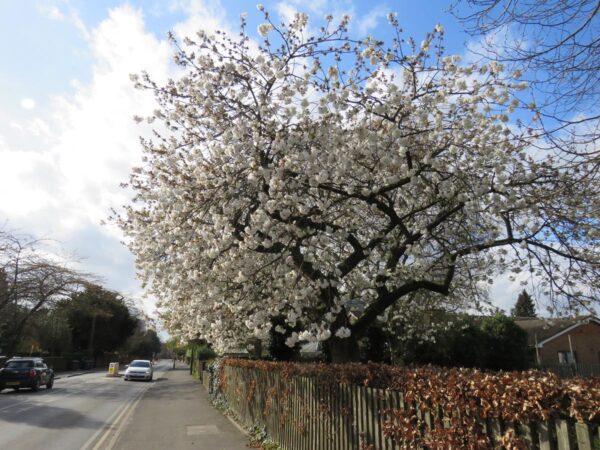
<point x="115" y="423"/>
<point x="124" y="418"/>
<point x="195" y="430"/>
<point x="46" y="399"/>
<point x="44" y="396"/>
<point x="108" y="425"/>
<point x="24" y="409"/>
<point x="26" y="400"/>
<point x="11" y="406"/>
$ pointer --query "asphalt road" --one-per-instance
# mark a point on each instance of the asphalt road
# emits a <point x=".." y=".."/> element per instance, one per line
<point x="177" y="414"/>
<point x="82" y="412"/>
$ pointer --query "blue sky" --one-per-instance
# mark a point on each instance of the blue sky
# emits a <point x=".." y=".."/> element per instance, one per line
<point x="67" y="138"/>
<point x="47" y="46"/>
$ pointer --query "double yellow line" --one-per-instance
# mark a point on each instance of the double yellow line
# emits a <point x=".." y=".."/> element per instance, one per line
<point x="114" y="426"/>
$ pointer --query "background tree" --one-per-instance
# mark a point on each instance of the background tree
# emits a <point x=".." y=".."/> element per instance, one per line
<point x="555" y="43"/>
<point x="143" y="344"/>
<point x="48" y="333"/>
<point x="30" y="281"/>
<point x="173" y="348"/>
<point x="505" y="344"/>
<point x="199" y="349"/>
<point x="493" y="342"/>
<point x="100" y="321"/>
<point x="458" y="343"/>
<point x="524" y="307"/>
<point x="295" y="177"/>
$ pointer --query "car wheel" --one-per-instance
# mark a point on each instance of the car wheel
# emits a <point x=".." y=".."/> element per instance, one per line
<point x="50" y="383"/>
<point x="36" y="385"/>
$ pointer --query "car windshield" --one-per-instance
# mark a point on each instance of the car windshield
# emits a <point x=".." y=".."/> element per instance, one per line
<point x="139" y="364"/>
<point x="19" y="364"/>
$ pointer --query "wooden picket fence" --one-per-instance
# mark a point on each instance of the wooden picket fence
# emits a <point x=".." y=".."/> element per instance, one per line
<point x="300" y="414"/>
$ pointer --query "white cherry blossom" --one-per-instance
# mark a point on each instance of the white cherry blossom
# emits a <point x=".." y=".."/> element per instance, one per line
<point x="278" y="188"/>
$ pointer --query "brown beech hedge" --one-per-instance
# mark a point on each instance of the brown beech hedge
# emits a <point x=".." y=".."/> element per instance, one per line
<point x="513" y="396"/>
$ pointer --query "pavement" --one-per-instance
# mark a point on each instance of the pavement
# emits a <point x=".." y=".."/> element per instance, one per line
<point x="74" y="373"/>
<point x="177" y="414"/>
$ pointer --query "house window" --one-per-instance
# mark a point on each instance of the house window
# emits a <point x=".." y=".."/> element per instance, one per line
<point x="567" y="357"/>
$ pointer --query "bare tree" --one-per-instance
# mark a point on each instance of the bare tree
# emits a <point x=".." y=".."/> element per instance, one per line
<point x="557" y="44"/>
<point x="29" y="281"/>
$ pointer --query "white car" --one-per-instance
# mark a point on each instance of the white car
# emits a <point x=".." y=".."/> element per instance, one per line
<point x="139" y="369"/>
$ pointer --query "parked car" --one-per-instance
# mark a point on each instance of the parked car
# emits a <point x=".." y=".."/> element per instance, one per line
<point x="26" y="372"/>
<point x="139" y="369"/>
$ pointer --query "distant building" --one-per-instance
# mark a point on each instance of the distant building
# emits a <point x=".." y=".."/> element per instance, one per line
<point x="565" y="342"/>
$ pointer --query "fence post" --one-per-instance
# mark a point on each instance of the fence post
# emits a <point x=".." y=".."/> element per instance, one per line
<point x="496" y="429"/>
<point x="543" y="432"/>
<point x="305" y="414"/>
<point x="562" y="435"/>
<point x="525" y="432"/>
<point x="347" y="402"/>
<point x="389" y="405"/>
<point x="584" y="441"/>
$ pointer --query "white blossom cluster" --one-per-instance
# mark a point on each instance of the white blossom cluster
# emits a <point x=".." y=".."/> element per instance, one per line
<point x="293" y="179"/>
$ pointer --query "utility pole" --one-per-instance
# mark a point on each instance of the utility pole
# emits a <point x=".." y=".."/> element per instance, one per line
<point x="192" y="362"/>
<point x="574" y="363"/>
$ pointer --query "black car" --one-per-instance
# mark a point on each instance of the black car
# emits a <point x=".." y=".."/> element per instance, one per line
<point x="26" y="372"/>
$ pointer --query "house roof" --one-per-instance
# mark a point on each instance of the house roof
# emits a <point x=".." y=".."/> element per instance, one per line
<point x="545" y="330"/>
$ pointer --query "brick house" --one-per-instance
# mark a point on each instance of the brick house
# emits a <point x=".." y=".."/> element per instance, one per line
<point x="564" y="342"/>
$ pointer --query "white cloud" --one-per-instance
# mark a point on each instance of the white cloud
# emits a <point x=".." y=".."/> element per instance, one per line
<point x="208" y="16"/>
<point x="320" y="7"/>
<point x="286" y="11"/>
<point x="51" y="11"/>
<point x="38" y="127"/>
<point x="371" y="20"/>
<point x="28" y="103"/>
<point x="504" y="292"/>
<point x="21" y="194"/>
<point x="97" y="139"/>
<point x="63" y="168"/>
<point x="78" y="23"/>
<point x="495" y="41"/>
<point x="71" y="185"/>
<point x="317" y="10"/>
<point x="16" y="126"/>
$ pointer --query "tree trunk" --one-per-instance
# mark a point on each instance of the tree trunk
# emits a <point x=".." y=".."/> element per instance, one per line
<point x="343" y="350"/>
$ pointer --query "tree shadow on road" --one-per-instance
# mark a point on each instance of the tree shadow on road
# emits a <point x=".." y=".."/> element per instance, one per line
<point x="46" y="416"/>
